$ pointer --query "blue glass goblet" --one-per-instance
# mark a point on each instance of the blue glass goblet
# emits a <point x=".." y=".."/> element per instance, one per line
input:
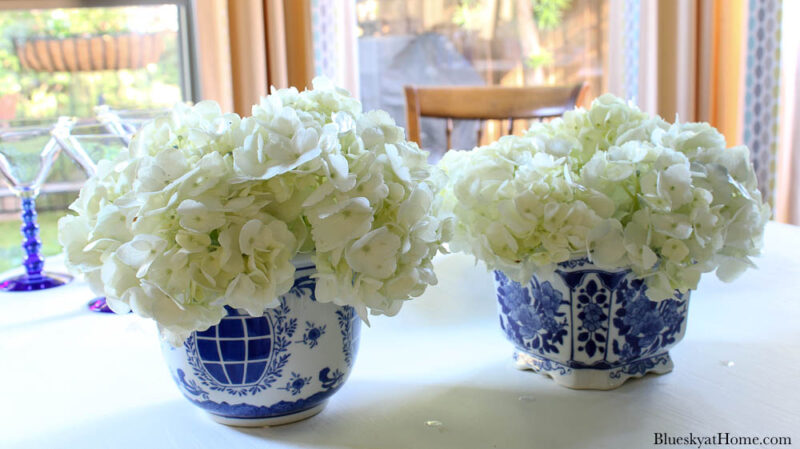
<point x="26" y="158"/>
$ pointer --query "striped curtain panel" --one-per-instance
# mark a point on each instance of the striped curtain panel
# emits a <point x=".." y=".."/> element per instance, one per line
<point x="245" y="46"/>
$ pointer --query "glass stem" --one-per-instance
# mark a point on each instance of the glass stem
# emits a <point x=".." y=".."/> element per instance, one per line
<point x="31" y="243"/>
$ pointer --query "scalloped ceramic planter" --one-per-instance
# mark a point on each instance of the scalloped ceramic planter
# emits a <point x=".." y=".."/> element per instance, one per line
<point x="589" y="328"/>
<point x="269" y="370"/>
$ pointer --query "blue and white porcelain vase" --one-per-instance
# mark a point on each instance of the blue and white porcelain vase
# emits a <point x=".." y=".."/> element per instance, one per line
<point x="589" y="328"/>
<point x="274" y="369"/>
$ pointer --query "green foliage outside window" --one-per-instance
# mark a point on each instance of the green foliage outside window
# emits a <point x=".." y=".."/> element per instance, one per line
<point x="548" y="13"/>
<point x="43" y="94"/>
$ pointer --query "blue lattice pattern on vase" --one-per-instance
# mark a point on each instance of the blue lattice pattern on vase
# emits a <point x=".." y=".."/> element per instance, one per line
<point x="585" y="319"/>
<point x="259" y="368"/>
<point x="237" y="351"/>
<point x="242" y="355"/>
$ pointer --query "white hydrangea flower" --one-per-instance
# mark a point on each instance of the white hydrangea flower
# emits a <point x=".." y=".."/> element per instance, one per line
<point x="207" y="210"/>
<point x="332" y="224"/>
<point x="668" y="201"/>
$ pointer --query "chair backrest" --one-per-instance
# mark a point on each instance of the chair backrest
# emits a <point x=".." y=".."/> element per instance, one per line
<point x="487" y="103"/>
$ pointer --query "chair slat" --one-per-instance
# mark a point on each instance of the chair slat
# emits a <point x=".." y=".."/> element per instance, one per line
<point x="449" y="131"/>
<point x="487" y="103"/>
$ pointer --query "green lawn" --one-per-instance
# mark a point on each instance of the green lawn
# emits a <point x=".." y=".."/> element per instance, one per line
<point x="11" y="253"/>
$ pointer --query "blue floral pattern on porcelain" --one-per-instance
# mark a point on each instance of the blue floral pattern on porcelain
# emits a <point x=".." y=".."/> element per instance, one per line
<point x="587" y="327"/>
<point x="254" y="371"/>
<point x="312" y="334"/>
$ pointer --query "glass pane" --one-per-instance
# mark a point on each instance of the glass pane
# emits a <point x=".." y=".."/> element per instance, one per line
<point x="476" y="42"/>
<point x="56" y="62"/>
<point x="67" y="61"/>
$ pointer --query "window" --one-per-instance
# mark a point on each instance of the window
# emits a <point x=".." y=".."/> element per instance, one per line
<point x="476" y="42"/>
<point x="56" y="62"/>
<point x="66" y="61"/>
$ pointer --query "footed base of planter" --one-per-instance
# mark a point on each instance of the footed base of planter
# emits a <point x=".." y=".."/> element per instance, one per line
<point x="593" y="378"/>
<point x="274" y="421"/>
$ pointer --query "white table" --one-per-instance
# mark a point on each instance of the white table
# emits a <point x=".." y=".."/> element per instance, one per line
<point x="74" y="379"/>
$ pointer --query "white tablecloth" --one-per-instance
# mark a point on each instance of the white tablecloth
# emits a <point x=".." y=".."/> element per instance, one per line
<point x="74" y="379"/>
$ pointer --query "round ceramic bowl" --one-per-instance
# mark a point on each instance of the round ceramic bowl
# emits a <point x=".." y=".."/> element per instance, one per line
<point x="273" y="369"/>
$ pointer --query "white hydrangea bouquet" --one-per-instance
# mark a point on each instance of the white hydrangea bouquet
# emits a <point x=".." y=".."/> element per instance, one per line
<point x="626" y="190"/>
<point x="207" y="210"/>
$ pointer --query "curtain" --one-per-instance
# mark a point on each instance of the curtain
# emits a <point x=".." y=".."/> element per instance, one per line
<point x="789" y="207"/>
<point x="721" y="70"/>
<point x="244" y="46"/>
<point x="334" y="40"/>
<point x="716" y="61"/>
<point x="213" y="45"/>
<point x="624" y="31"/>
<point x="691" y="61"/>
<point x="299" y="57"/>
<point x="762" y="86"/>
<point x="788" y="195"/>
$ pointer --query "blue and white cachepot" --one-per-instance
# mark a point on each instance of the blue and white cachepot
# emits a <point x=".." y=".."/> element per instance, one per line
<point x="589" y="328"/>
<point x="274" y="369"/>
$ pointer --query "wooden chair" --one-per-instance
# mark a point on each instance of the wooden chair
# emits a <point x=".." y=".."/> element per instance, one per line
<point x="487" y="103"/>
